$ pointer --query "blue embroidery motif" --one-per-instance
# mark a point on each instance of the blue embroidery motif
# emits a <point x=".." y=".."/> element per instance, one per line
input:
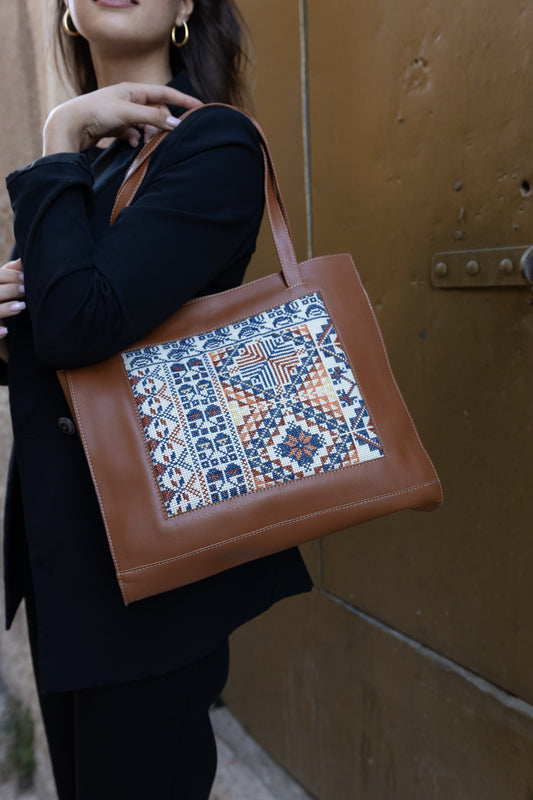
<point x="267" y="400"/>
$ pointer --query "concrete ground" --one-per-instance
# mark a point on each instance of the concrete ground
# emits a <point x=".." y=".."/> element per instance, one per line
<point x="245" y="770"/>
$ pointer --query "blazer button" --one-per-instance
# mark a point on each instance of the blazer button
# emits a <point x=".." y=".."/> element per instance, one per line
<point x="66" y="426"/>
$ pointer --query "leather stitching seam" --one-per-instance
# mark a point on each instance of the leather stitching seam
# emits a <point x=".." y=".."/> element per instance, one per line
<point x="278" y="525"/>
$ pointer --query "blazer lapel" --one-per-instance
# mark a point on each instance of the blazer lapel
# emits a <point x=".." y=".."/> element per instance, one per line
<point x="112" y="163"/>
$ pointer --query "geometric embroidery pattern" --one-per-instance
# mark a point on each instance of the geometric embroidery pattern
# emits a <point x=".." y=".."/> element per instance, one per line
<point x="266" y="400"/>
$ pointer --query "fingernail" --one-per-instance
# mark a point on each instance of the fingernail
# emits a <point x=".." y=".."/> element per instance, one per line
<point x="21" y="288"/>
<point x="135" y="142"/>
<point x="3" y="331"/>
<point x="21" y="277"/>
<point x="173" y="122"/>
<point x="17" y="306"/>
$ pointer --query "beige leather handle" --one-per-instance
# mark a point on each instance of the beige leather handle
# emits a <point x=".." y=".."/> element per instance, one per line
<point x="279" y="222"/>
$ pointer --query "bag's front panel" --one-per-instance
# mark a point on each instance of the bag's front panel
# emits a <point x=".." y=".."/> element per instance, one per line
<point x="256" y="438"/>
<point x="267" y="400"/>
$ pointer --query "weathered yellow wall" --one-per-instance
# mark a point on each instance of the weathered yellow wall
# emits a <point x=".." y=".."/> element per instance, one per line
<point x="27" y="92"/>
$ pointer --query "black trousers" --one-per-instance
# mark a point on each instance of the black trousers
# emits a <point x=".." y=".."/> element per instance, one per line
<point x="144" y="739"/>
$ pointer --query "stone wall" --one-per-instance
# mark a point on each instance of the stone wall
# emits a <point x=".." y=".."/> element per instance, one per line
<point x="28" y="90"/>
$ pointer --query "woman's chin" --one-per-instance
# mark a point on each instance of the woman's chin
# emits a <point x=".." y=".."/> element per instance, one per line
<point x="117" y="35"/>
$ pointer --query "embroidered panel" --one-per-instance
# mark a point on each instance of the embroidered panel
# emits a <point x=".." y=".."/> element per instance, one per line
<point x="267" y="400"/>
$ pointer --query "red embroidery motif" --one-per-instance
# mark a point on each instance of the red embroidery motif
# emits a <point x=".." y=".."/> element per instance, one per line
<point x="300" y="446"/>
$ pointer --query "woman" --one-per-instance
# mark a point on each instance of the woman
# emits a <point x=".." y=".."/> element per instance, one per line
<point x="124" y="690"/>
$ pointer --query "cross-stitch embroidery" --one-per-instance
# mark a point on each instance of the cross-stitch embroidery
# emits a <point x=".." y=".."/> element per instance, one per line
<point x="267" y="400"/>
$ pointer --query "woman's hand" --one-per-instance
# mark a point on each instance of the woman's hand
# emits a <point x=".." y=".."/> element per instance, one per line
<point x="117" y="110"/>
<point x="11" y="292"/>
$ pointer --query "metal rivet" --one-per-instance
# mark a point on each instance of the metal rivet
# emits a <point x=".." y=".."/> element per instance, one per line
<point x="506" y="266"/>
<point x="441" y="269"/>
<point x="472" y="268"/>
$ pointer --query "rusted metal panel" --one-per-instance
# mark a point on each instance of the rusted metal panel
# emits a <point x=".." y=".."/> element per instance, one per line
<point x="275" y="61"/>
<point x="421" y="144"/>
<point x="356" y="712"/>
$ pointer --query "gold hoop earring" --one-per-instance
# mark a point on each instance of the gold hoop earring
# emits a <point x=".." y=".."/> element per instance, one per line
<point x="185" y="35"/>
<point x="66" y="24"/>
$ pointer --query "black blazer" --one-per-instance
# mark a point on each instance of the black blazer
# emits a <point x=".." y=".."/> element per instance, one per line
<point x="92" y="290"/>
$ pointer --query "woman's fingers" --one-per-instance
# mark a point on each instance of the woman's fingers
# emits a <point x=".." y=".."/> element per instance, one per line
<point x="11" y="292"/>
<point x="11" y="288"/>
<point x="12" y="308"/>
<point x="12" y="265"/>
<point x="149" y="132"/>
<point x="147" y="108"/>
<point x="157" y="117"/>
<point x="152" y="94"/>
<point x="131" y="135"/>
<point x="11" y="276"/>
<point x="113" y="111"/>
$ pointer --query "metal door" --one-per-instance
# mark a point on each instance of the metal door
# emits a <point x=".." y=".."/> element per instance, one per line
<point x="407" y="674"/>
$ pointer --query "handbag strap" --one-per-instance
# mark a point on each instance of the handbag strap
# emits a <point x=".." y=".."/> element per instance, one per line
<point x="279" y="221"/>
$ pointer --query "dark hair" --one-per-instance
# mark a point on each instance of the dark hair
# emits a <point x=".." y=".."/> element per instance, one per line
<point x="214" y="56"/>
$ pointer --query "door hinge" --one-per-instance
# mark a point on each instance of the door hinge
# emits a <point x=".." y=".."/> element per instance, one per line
<point x="470" y="269"/>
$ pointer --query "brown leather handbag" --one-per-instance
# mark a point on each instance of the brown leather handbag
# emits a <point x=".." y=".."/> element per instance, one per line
<point x="249" y="421"/>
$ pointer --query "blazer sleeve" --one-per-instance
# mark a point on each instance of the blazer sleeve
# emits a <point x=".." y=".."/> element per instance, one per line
<point x="197" y="213"/>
